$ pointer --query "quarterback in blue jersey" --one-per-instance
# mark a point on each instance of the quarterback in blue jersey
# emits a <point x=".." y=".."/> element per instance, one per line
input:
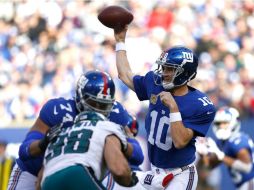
<point x="233" y="148"/>
<point x="54" y="113"/>
<point x="177" y="112"/>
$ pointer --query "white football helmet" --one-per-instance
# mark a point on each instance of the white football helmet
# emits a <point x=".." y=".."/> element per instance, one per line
<point x="226" y="123"/>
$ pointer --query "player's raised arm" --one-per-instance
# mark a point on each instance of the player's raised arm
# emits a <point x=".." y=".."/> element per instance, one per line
<point x="123" y="67"/>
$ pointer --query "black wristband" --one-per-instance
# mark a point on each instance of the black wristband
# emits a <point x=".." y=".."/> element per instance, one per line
<point x="43" y="144"/>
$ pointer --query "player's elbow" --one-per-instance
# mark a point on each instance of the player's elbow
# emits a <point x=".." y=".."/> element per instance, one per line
<point x="179" y="144"/>
<point x="123" y="77"/>
<point x="181" y="140"/>
<point x="120" y="76"/>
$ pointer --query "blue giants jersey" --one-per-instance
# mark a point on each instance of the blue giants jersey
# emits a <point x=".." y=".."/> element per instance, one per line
<point x="197" y="113"/>
<point x="61" y="110"/>
<point x="55" y="111"/>
<point x="231" y="148"/>
<point x="119" y="114"/>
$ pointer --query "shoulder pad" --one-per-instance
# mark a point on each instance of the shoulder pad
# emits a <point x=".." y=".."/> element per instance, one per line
<point x="94" y="117"/>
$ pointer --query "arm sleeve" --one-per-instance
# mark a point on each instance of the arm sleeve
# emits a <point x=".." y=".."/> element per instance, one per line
<point x="137" y="156"/>
<point x="119" y="114"/>
<point x="238" y="144"/>
<point x="47" y="114"/>
<point x="200" y="123"/>
<point x="32" y="136"/>
<point x="140" y="86"/>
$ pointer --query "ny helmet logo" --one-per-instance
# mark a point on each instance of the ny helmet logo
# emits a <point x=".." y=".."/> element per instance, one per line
<point x="148" y="179"/>
<point x="82" y="81"/>
<point x="188" y="56"/>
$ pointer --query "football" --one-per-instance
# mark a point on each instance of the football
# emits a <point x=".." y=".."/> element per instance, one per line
<point x="115" y="17"/>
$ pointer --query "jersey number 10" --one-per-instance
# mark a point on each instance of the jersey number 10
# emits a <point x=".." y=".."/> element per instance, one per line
<point x="161" y="130"/>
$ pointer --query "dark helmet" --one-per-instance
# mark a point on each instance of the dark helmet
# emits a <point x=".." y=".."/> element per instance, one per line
<point x="183" y="62"/>
<point x="95" y="91"/>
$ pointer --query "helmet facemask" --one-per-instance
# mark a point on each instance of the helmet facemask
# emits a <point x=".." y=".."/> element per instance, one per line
<point x="184" y="62"/>
<point x="226" y="124"/>
<point x="92" y="103"/>
<point x="167" y="74"/>
<point x="223" y="130"/>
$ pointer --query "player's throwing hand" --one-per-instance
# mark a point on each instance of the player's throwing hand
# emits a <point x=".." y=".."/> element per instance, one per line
<point x="120" y="33"/>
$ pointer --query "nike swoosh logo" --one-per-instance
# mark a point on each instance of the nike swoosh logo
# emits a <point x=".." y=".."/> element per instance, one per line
<point x="116" y="110"/>
<point x="209" y="112"/>
<point x="55" y="112"/>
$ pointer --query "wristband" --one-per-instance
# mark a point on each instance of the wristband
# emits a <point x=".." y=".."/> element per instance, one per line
<point x="241" y="166"/>
<point x="220" y="155"/>
<point x="43" y="144"/>
<point x="176" y="116"/>
<point x="120" y="46"/>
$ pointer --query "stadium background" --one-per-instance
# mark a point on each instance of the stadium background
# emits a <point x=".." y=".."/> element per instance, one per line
<point x="46" y="45"/>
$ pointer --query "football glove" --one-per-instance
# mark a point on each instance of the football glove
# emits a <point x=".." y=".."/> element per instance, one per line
<point x="49" y="136"/>
<point x="213" y="148"/>
<point x="134" y="180"/>
<point x="201" y="145"/>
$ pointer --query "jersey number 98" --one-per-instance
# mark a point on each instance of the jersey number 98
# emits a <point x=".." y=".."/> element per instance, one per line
<point x="76" y="142"/>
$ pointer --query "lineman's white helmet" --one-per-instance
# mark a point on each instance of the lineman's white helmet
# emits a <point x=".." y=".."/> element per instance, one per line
<point x="226" y="123"/>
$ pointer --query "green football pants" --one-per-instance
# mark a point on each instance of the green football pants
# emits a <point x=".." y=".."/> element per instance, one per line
<point x="72" y="178"/>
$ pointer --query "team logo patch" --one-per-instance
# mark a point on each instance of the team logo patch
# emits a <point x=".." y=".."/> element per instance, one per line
<point x="153" y="99"/>
<point x="148" y="179"/>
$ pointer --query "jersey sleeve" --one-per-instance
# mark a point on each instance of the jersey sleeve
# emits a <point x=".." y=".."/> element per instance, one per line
<point x="140" y="86"/>
<point x="117" y="130"/>
<point x="200" y="123"/>
<point x="48" y="113"/>
<point x="239" y="143"/>
<point x="119" y="114"/>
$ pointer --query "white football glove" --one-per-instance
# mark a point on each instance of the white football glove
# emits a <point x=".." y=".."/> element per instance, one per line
<point x="201" y="146"/>
<point x="213" y="148"/>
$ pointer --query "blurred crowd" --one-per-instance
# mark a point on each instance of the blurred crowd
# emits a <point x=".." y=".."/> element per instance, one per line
<point x="46" y="45"/>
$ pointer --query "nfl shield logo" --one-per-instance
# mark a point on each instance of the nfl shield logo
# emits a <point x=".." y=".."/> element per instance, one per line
<point x="153" y="99"/>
